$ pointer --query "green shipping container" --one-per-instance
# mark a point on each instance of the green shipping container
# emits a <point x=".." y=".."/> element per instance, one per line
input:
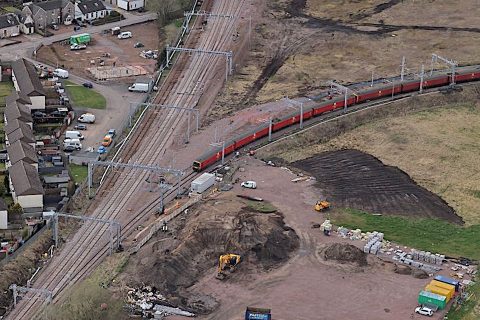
<point x="82" y="38"/>
<point x="432" y="298"/>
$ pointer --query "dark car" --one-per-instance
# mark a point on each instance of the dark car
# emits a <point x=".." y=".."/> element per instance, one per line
<point x="39" y="114"/>
<point x="69" y="148"/>
<point x="80" y="127"/>
<point x="76" y="28"/>
<point x="138" y="45"/>
<point x="88" y="85"/>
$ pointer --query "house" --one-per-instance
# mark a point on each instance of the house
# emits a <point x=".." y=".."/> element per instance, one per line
<point x="50" y="12"/>
<point x="27" y="25"/>
<point x="18" y="130"/>
<point x="3" y="215"/>
<point x="130" y="4"/>
<point x="26" y="187"/>
<point x="9" y="25"/>
<point x="21" y="151"/>
<point x="25" y="80"/>
<point x="88" y="10"/>
<point x="16" y="110"/>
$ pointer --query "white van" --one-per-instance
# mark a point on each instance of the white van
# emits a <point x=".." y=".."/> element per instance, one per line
<point x="125" y="35"/>
<point x="72" y="143"/>
<point x="73" y="135"/>
<point x="60" y="73"/>
<point x="139" y="87"/>
<point x="87" y="118"/>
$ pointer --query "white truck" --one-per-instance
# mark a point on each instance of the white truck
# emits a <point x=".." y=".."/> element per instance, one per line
<point x="86" y="118"/>
<point x="74" y="135"/>
<point x="202" y="183"/>
<point x="60" y="73"/>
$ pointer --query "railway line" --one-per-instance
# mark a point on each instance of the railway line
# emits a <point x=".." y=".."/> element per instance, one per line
<point x="125" y="189"/>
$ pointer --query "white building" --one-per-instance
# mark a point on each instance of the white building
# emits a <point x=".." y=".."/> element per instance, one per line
<point x="89" y="10"/>
<point x="9" y="26"/>
<point x="129" y="5"/>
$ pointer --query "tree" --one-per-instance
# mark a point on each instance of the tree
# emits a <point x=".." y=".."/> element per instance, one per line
<point x="15" y="211"/>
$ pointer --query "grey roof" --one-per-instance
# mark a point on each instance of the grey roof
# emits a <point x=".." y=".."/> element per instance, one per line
<point x="88" y="6"/>
<point x="13" y="125"/>
<point x="16" y="110"/>
<point x="23" y="132"/>
<point x="51" y="5"/>
<point x="27" y="78"/>
<point x="21" y="151"/>
<point x="19" y="97"/>
<point x="8" y="20"/>
<point x="55" y="179"/>
<point x="25" y="179"/>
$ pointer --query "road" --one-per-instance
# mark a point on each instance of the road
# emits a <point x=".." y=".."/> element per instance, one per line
<point x="25" y="49"/>
<point x="123" y="196"/>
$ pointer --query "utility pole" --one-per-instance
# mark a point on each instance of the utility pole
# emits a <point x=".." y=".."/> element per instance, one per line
<point x="402" y="73"/>
<point x="222" y="145"/>
<point x="296" y="103"/>
<point x="452" y="63"/>
<point x="422" y="73"/>
<point x="341" y="89"/>
<point x="16" y="289"/>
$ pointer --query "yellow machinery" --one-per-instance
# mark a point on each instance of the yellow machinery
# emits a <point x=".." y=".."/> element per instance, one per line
<point x="322" y="205"/>
<point x="227" y="261"/>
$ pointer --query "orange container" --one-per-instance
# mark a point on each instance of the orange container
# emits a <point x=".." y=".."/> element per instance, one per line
<point x="440" y="291"/>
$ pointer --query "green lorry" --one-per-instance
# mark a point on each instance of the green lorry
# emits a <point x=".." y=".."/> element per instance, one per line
<point x="82" y="38"/>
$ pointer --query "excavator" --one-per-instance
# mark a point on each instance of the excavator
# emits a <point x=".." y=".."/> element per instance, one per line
<point x="227" y="261"/>
<point x="322" y="205"/>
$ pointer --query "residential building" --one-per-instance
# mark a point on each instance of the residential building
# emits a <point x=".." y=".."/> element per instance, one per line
<point x="18" y="130"/>
<point x="16" y="110"/>
<point x="27" y="25"/>
<point x="3" y="215"/>
<point x="130" y="5"/>
<point x="89" y="10"/>
<point x="25" y="80"/>
<point x="21" y="151"/>
<point x="9" y="25"/>
<point x="26" y="187"/>
<point x="50" y="12"/>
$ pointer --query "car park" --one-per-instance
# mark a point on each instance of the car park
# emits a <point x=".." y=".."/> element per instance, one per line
<point x="80" y="126"/>
<point x="424" y="311"/>
<point x="88" y="85"/>
<point x="249" y="184"/>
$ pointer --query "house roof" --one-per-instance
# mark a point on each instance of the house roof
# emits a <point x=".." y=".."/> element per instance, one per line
<point x="25" y="179"/>
<point x="20" y="97"/>
<point x="23" y="132"/>
<point x="16" y="110"/>
<point x="13" y="125"/>
<point x="89" y="6"/>
<point x="21" y="151"/>
<point x="8" y="20"/>
<point x="27" y="78"/>
<point x="51" y="5"/>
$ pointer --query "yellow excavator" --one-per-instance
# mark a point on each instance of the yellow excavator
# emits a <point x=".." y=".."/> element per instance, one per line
<point x="227" y="261"/>
<point x="322" y="205"/>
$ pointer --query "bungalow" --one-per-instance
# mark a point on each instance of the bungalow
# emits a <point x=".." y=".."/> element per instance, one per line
<point x="26" y="187"/>
<point x="25" y="80"/>
<point x="21" y="151"/>
<point x="9" y="25"/>
<point x="88" y="10"/>
<point x="50" y="12"/>
<point x="131" y="4"/>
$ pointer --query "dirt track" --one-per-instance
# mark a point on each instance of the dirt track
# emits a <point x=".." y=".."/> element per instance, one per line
<point x="353" y="179"/>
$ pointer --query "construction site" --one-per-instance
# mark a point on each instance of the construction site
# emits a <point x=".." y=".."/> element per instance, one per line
<point x="300" y="160"/>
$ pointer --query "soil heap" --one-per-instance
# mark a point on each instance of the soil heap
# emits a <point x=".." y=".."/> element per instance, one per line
<point x="345" y="253"/>
<point x="178" y="260"/>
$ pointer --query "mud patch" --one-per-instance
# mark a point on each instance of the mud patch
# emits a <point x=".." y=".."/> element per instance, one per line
<point x="356" y="180"/>
<point x="177" y="260"/>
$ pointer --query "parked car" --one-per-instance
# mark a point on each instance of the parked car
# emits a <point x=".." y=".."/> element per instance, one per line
<point x="138" y="45"/>
<point x="424" y="311"/>
<point x="125" y="35"/>
<point x="88" y="85"/>
<point x="77" y="46"/>
<point x="86" y="118"/>
<point x="76" y="28"/>
<point x="39" y="114"/>
<point x="249" y="184"/>
<point x="80" y="126"/>
<point x="112" y="133"/>
<point x="53" y="27"/>
<point x="69" y="148"/>
<point x="107" y="140"/>
<point x="101" y="150"/>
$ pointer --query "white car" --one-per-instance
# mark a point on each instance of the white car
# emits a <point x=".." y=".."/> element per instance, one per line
<point x="78" y="46"/>
<point x="424" y="311"/>
<point x="249" y="184"/>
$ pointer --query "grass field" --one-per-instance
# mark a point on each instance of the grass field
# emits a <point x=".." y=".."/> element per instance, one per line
<point x="84" y="97"/>
<point x="424" y="234"/>
<point x="6" y="89"/>
<point x="78" y="173"/>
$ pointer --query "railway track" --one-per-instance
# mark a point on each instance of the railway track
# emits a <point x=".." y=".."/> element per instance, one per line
<point x="125" y="189"/>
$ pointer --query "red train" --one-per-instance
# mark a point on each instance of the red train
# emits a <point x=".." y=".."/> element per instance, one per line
<point x="242" y="140"/>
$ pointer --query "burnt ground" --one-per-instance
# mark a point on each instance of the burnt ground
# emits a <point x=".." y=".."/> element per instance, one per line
<point x="174" y="261"/>
<point x="356" y="180"/>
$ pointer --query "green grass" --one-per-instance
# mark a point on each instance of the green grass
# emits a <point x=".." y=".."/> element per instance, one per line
<point x="6" y="89"/>
<point x="468" y="310"/>
<point x="432" y="235"/>
<point x="78" y="173"/>
<point x="263" y="206"/>
<point x="82" y="97"/>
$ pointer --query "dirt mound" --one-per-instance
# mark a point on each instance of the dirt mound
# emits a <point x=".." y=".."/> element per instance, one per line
<point x="354" y="179"/>
<point x="345" y="253"/>
<point x="178" y="260"/>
